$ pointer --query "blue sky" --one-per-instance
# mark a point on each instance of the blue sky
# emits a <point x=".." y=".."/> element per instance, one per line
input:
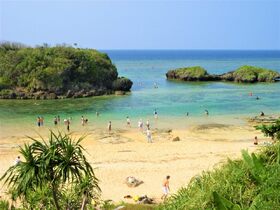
<point x="173" y="24"/>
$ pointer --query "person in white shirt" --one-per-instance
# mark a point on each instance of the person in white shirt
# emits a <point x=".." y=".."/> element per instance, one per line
<point x="149" y="135"/>
<point x="17" y="161"/>
<point x="128" y="121"/>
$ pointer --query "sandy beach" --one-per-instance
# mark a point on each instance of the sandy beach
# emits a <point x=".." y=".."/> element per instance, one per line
<point x="124" y="153"/>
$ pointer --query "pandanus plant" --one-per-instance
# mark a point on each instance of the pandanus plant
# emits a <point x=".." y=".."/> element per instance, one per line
<point x="54" y="163"/>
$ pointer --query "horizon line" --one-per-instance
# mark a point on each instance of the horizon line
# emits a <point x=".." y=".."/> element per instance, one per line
<point x="151" y="49"/>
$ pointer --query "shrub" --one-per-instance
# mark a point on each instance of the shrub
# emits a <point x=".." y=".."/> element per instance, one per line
<point x="122" y="84"/>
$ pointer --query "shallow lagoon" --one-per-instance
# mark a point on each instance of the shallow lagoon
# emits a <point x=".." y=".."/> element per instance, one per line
<point x="171" y="99"/>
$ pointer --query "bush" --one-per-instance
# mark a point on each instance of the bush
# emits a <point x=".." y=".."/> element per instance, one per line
<point x="254" y="74"/>
<point x="251" y="183"/>
<point x="56" y="69"/>
<point x="122" y="84"/>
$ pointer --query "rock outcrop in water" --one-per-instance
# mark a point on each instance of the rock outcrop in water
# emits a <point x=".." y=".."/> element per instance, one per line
<point x="244" y="74"/>
<point x="57" y="72"/>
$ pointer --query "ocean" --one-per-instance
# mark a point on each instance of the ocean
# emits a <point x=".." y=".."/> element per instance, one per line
<point x="172" y="100"/>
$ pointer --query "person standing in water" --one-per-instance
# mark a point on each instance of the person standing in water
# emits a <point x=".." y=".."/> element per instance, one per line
<point x="83" y="121"/>
<point x="97" y="114"/>
<point x="155" y="114"/>
<point x="206" y="112"/>
<point x="38" y="121"/>
<point x="165" y="188"/>
<point x="55" y="121"/>
<point x="58" y="119"/>
<point x="41" y="121"/>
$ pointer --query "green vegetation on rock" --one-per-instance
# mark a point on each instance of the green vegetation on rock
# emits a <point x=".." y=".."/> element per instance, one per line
<point x="244" y="74"/>
<point x="194" y="73"/>
<point x="254" y="74"/>
<point x="36" y="72"/>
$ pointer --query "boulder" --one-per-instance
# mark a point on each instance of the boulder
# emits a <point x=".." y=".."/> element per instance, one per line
<point x="52" y="96"/>
<point x="177" y="138"/>
<point x="69" y="94"/>
<point x="132" y="181"/>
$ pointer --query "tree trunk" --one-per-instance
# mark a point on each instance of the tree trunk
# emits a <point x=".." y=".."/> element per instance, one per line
<point x="55" y="197"/>
<point x="84" y="201"/>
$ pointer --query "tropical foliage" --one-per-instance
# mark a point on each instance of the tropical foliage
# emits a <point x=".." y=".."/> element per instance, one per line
<point x="245" y="74"/>
<point x="254" y="74"/>
<point x="251" y="183"/>
<point x="54" y="175"/>
<point x="54" y="69"/>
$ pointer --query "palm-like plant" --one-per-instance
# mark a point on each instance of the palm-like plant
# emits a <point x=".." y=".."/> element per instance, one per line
<point x="55" y="163"/>
<point x="272" y="130"/>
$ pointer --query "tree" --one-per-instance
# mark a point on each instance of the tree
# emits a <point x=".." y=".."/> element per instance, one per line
<point x="272" y="130"/>
<point x="55" y="163"/>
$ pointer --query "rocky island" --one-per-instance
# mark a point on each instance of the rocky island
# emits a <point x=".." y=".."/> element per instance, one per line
<point x="244" y="74"/>
<point x="63" y="71"/>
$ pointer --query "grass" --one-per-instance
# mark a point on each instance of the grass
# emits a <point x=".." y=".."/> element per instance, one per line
<point x="250" y="183"/>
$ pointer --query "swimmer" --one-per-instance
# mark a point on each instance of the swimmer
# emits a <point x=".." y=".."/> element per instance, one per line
<point x="155" y="114"/>
<point x="262" y="114"/>
<point x="206" y="112"/>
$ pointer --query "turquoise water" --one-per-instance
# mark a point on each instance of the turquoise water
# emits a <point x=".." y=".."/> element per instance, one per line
<point x="171" y="99"/>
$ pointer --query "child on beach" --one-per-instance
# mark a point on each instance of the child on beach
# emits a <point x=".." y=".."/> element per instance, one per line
<point x="165" y="188"/>
<point x="256" y="142"/>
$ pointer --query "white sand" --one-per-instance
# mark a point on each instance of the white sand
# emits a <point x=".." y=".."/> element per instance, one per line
<point x="127" y="153"/>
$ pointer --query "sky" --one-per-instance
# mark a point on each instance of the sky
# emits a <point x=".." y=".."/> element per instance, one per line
<point x="136" y="24"/>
